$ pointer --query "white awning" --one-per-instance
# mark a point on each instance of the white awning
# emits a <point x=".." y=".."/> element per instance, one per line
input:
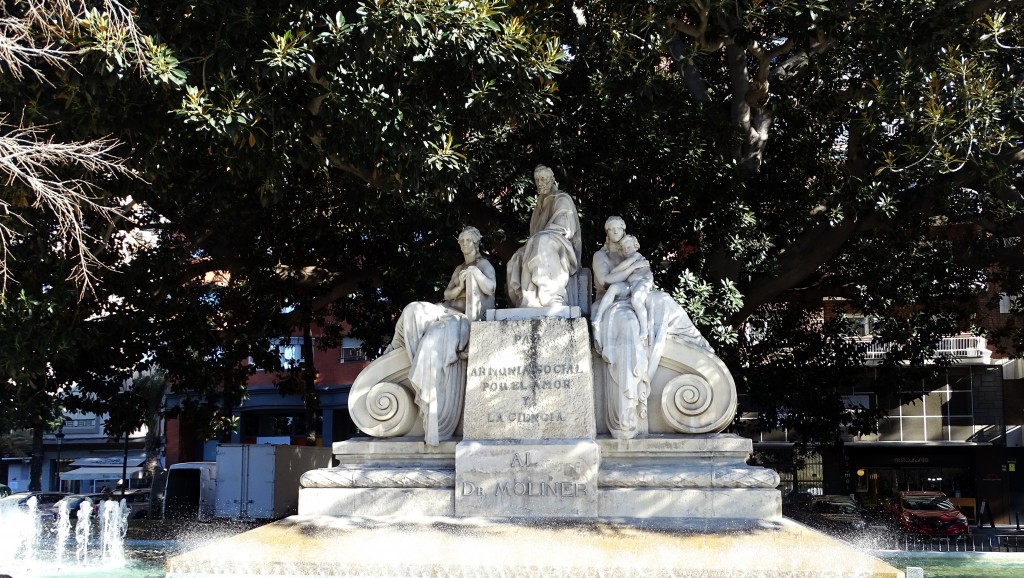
<point x="97" y="473"/>
<point x="108" y="461"/>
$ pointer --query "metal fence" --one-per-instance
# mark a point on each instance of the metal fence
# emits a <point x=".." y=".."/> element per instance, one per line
<point x="987" y="542"/>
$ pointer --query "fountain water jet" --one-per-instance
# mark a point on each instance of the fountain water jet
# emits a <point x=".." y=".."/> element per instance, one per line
<point x="113" y="525"/>
<point x="30" y="547"/>
<point x="19" y="533"/>
<point x="63" y="530"/>
<point x="83" y="529"/>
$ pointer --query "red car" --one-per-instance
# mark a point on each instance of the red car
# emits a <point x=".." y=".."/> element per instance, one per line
<point x="929" y="513"/>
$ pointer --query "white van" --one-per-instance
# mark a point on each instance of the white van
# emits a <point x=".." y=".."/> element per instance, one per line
<point x="191" y="491"/>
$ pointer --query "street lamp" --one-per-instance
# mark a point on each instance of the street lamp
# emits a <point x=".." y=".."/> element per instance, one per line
<point x="60" y="443"/>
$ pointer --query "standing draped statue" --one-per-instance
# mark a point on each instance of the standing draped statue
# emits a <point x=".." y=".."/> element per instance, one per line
<point x="539" y="271"/>
<point x="435" y="335"/>
<point x="632" y="352"/>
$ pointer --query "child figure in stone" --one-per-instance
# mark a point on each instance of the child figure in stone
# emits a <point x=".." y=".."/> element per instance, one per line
<point x="638" y="285"/>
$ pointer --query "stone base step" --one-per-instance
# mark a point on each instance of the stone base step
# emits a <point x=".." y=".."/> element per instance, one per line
<point x="453" y="548"/>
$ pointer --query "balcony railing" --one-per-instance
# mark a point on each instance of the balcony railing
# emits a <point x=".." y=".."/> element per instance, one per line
<point x="959" y="347"/>
<point x="970" y="346"/>
<point x="876" y="351"/>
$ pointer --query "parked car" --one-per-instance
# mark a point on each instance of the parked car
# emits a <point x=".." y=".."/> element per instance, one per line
<point x="798" y="500"/>
<point x="138" y="501"/>
<point x="928" y="513"/>
<point x="835" y="514"/>
<point x="44" y="500"/>
<point x="74" y="502"/>
<point x="4" y="491"/>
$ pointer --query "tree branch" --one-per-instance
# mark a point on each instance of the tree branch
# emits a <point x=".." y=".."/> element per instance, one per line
<point x="802" y="258"/>
<point x="19" y="50"/>
<point x="739" y="84"/>
<point x="369" y="177"/>
<point x="758" y="95"/>
<point x="29" y="161"/>
<point x="691" y="76"/>
<point x="820" y="243"/>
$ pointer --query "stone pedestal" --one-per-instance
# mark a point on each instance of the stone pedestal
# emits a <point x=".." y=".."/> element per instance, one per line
<point x="380" y="477"/>
<point x="529" y="422"/>
<point x="694" y="477"/>
<point x="704" y="476"/>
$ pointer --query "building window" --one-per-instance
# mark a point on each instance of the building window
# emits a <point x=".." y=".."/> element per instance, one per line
<point x="350" y="354"/>
<point x="255" y="424"/>
<point x="862" y="325"/>
<point x="938" y="412"/>
<point x="79" y="423"/>
<point x="1006" y="302"/>
<point x="352" y="350"/>
<point x="289" y="352"/>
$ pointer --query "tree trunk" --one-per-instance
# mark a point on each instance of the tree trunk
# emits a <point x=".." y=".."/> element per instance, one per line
<point x="35" y="481"/>
<point x="152" y="462"/>
<point x="310" y="398"/>
<point x="154" y="391"/>
<point x="124" y="466"/>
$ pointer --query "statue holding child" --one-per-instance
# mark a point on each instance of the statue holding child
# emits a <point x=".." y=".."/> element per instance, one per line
<point x="632" y="322"/>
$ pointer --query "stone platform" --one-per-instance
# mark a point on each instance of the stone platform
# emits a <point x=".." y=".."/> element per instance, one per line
<point x="699" y="476"/>
<point x="475" y="547"/>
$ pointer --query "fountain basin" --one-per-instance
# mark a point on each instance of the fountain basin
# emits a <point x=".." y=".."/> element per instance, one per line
<point x="449" y="547"/>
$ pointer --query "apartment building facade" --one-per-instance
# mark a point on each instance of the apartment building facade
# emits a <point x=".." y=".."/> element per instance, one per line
<point x="270" y="416"/>
<point x="79" y="457"/>
<point x="959" y="432"/>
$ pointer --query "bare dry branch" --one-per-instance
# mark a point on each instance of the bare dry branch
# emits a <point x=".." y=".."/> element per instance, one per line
<point x="30" y="163"/>
<point x="20" y="50"/>
<point x="33" y="38"/>
<point x="41" y="34"/>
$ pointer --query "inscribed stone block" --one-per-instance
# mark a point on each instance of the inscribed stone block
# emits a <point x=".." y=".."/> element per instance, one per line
<point x="529" y="379"/>
<point x="533" y="480"/>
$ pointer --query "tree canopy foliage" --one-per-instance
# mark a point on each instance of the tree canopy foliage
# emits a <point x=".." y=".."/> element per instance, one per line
<point x="313" y="161"/>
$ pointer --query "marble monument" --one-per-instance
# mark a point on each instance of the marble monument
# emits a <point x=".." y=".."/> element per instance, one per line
<point x="533" y="441"/>
<point x="536" y="411"/>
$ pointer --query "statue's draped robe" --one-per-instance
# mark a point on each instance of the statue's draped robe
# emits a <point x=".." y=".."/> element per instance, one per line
<point x="433" y="335"/>
<point x="631" y="364"/>
<point x="539" y="271"/>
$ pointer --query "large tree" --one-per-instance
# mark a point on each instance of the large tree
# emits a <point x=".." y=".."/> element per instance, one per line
<point x="287" y="157"/>
<point x="308" y="162"/>
<point x="60" y="222"/>
<point x="776" y="157"/>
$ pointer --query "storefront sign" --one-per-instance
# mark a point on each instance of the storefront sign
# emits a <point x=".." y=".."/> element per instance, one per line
<point x="915" y="460"/>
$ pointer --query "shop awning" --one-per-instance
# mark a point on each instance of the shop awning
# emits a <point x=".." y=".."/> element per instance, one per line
<point x="108" y="461"/>
<point x="97" y="473"/>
